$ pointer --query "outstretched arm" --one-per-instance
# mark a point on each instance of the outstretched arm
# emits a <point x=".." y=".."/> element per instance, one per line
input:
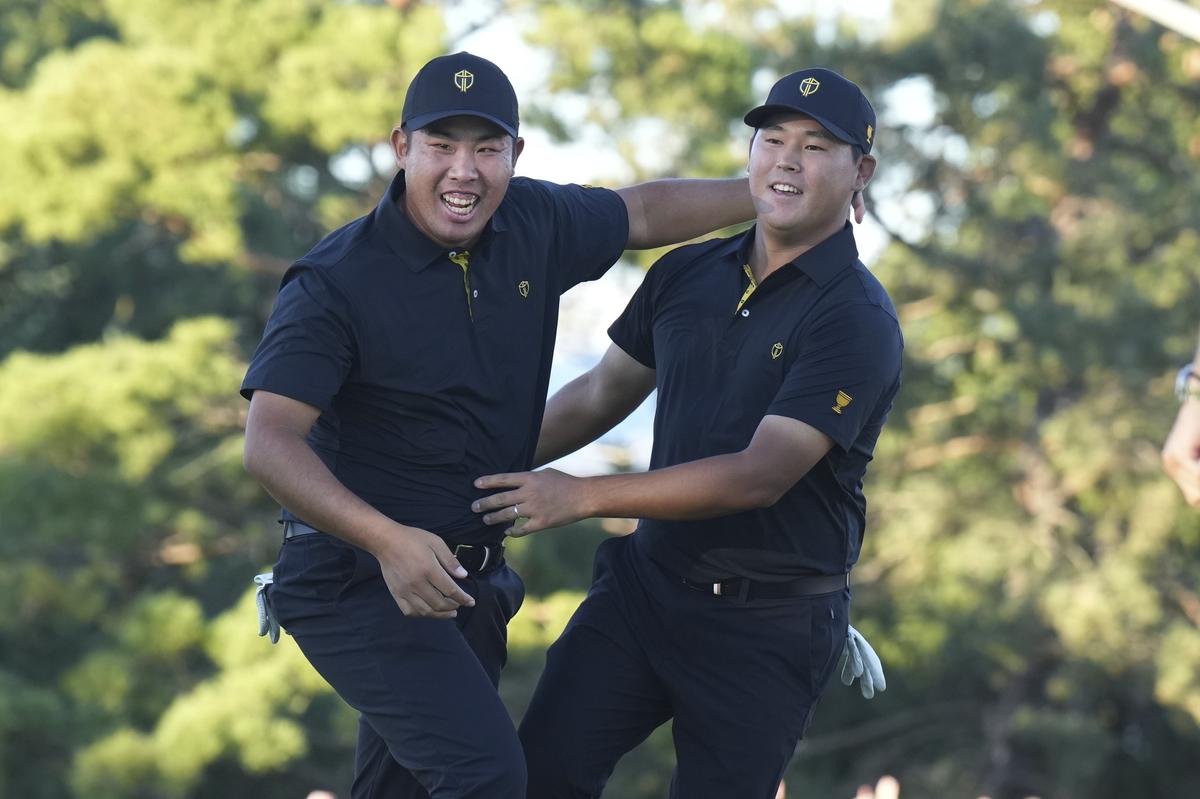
<point x="592" y="404"/>
<point x="664" y="212"/>
<point x="781" y="452"/>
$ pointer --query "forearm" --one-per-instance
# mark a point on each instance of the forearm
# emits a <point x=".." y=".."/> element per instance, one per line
<point x="702" y="489"/>
<point x="664" y="212"/>
<point x="294" y="476"/>
<point x="576" y="415"/>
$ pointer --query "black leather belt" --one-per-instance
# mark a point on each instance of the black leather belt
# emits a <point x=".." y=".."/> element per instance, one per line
<point x="743" y="589"/>
<point x="479" y="558"/>
<point x="475" y="558"/>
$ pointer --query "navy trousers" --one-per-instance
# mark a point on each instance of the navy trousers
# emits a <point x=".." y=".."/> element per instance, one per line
<point x="431" y="723"/>
<point x="740" y="680"/>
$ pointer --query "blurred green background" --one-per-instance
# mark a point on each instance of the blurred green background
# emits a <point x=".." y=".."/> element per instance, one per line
<point x="1030" y="578"/>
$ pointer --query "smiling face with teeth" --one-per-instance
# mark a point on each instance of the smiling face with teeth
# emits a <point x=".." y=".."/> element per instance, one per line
<point x="802" y="180"/>
<point x="456" y="172"/>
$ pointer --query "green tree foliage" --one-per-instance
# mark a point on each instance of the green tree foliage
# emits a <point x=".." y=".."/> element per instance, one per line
<point x="1029" y="577"/>
<point x="158" y="156"/>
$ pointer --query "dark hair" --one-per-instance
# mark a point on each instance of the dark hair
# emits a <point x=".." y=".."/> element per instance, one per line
<point x="856" y="152"/>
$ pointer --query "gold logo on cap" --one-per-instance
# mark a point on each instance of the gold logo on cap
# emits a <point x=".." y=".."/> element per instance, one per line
<point x="523" y="288"/>
<point x="776" y="350"/>
<point x="464" y="80"/>
<point x="843" y="399"/>
<point x="870" y="133"/>
<point x="809" y="86"/>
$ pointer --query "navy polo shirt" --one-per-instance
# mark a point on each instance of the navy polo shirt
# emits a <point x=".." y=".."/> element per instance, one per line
<point x="817" y="341"/>
<point x="428" y="375"/>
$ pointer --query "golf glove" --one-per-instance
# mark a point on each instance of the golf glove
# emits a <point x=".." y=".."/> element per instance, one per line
<point x="267" y="623"/>
<point x="859" y="660"/>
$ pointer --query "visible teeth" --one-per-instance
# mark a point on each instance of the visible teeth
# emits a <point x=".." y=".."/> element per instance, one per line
<point x="459" y="204"/>
<point x="785" y="188"/>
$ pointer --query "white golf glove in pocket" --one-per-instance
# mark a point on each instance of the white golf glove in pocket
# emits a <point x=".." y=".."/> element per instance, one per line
<point x="267" y="623"/>
<point x="859" y="660"/>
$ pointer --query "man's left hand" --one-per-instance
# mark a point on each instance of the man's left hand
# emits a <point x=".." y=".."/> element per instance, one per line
<point x="534" y="501"/>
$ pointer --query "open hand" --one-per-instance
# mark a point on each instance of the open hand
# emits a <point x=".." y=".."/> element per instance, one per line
<point x="534" y="501"/>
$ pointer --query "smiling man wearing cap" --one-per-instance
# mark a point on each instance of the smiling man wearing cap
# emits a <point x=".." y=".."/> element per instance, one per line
<point x="776" y="355"/>
<point x="409" y="352"/>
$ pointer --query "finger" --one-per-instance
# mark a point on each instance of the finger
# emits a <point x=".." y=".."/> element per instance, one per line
<point x="505" y="515"/>
<point x="449" y="589"/>
<point x="420" y="607"/>
<point x="521" y="530"/>
<point x="506" y="480"/>
<point x="508" y="513"/>
<point x="446" y="559"/>
<point x="435" y="599"/>
<point x="505" y="499"/>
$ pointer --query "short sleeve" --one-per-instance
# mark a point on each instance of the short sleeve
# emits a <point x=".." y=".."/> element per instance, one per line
<point x="308" y="347"/>
<point x="633" y="330"/>
<point x="848" y="366"/>
<point x="591" y="230"/>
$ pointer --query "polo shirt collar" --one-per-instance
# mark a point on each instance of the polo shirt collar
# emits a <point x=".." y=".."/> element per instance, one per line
<point x="406" y="240"/>
<point x="823" y="262"/>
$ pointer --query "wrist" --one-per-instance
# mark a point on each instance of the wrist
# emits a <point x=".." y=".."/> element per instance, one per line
<point x="382" y="539"/>
<point x="588" y="504"/>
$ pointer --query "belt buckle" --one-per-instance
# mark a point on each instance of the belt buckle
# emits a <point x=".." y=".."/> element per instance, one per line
<point x="487" y="553"/>
<point x="718" y="589"/>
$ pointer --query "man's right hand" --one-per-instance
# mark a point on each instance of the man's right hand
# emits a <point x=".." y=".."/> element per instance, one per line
<point x="419" y="570"/>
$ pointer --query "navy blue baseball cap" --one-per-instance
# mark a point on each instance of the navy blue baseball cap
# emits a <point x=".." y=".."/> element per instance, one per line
<point x="837" y="103"/>
<point x="460" y="85"/>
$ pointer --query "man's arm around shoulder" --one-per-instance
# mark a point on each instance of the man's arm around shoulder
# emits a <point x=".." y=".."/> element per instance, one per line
<point x="663" y="212"/>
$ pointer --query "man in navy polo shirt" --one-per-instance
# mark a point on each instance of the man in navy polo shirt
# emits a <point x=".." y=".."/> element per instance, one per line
<point x="776" y="355"/>
<point x="408" y="353"/>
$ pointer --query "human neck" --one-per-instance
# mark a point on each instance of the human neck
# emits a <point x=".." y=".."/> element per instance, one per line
<point x="774" y="248"/>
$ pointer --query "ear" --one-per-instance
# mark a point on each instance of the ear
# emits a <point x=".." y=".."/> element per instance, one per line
<point x="866" y="171"/>
<point x="400" y="145"/>
<point x="518" y="147"/>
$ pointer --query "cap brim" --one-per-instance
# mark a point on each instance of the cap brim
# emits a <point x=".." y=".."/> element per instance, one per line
<point x="424" y="120"/>
<point x="757" y="116"/>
